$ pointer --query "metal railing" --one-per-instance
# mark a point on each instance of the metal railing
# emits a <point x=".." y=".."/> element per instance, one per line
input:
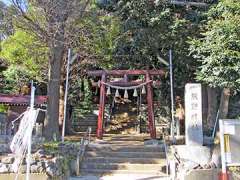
<point x="166" y="155"/>
<point x="85" y="140"/>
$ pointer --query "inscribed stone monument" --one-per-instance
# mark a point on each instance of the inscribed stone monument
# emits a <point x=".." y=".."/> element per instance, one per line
<point x="193" y="114"/>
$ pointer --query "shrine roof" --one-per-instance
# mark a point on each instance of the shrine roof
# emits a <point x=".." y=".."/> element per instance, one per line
<point x="21" y="100"/>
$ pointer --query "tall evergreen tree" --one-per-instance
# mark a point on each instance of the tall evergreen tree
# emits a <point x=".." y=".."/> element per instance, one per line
<point x="218" y="50"/>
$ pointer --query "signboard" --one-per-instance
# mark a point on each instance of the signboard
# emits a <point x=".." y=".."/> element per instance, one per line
<point x="230" y="132"/>
<point x="193" y="114"/>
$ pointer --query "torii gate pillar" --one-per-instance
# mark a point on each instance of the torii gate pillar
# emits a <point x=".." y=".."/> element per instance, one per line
<point x="101" y="107"/>
<point x="151" y="120"/>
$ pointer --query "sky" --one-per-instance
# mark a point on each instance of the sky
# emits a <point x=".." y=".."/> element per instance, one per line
<point x="6" y="1"/>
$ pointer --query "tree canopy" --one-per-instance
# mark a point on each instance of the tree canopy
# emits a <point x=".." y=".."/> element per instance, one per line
<point x="27" y="59"/>
<point x="218" y="50"/>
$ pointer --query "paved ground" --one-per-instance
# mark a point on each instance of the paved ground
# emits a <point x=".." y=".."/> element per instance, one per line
<point x="121" y="177"/>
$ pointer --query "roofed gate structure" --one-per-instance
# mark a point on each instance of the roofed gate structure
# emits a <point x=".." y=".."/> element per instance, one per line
<point x="124" y="84"/>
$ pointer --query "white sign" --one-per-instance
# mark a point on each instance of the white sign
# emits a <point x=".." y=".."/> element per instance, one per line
<point x="193" y="114"/>
<point x="230" y="142"/>
<point x="229" y="129"/>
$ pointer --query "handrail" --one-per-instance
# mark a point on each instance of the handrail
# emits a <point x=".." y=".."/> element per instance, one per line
<point x="166" y="155"/>
<point x="215" y="125"/>
<point x="85" y="140"/>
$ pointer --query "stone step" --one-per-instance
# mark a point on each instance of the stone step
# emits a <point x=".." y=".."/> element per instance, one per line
<point x="121" y="138"/>
<point x="121" y="177"/>
<point x="85" y="118"/>
<point x="133" y="137"/>
<point x="122" y="166"/>
<point x="85" y="123"/>
<point x="89" y="118"/>
<point x="124" y="160"/>
<point x="85" y="127"/>
<point x="124" y="148"/>
<point x="105" y="171"/>
<point x="125" y="154"/>
<point x="122" y="143"/>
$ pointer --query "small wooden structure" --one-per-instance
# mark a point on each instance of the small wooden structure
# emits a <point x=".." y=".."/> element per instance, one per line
<point x="125" y="73"/>
<point x="21" y="100"/>
<point x="17" y="104"/>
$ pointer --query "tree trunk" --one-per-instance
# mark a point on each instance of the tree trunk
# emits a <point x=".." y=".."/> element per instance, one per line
<point x="223" y="108"/>
<point x="204" y="106"/>
<point x="212" y="106"/>
<point x="51" y="129"/>
<point x="56" y="26"/>
<point x="69" y="129"/>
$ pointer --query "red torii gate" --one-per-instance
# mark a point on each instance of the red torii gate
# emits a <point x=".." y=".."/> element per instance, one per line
<point x="147" y="73"/>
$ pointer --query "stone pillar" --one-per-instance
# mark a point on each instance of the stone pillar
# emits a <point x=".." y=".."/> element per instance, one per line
<point x="193" y="114"/>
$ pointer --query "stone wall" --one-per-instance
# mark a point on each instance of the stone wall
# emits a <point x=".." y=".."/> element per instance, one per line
<point x="50" y="160"/>
<point x="5" y="141"/>
<point x="23" y="177"/>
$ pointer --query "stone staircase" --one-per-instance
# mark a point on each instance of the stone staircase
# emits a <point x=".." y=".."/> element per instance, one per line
<point x="124" y="155"/>
<point x="82" y="122"/>
<point x="122" y="124"/>
<point x="123" y="120"/>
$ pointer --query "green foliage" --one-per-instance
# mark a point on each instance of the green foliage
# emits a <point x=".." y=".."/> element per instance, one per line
<point x="105" y="42"/>
<point x="218" y="50"/>
<point x="80" y="95"/>
<point x="24" y="50"/>
<point x="3" y="108"/>
<point x="149" y="31"/>
<point x="14" y="78"/>
<point x="51" y="147"/>
<point x="27" y="59"/>
<point x="97" y="43"/>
